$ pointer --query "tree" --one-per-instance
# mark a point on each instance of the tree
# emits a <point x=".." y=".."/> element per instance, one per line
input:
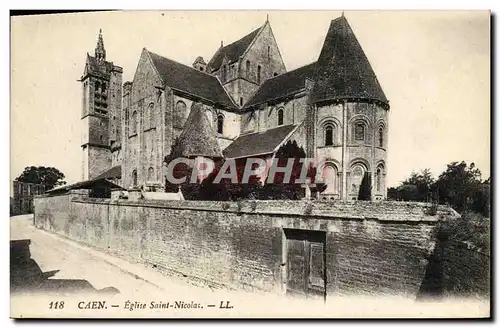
<point x="49" y="177"/>
<point x="482" y="198"/>
<point x="458" y="185"/>
<point x="417" y="187"/>
<point x="226" y="189"/>
<point x="278" y="189"/>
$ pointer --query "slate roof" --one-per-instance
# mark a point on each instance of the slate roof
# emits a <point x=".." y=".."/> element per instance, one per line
<point x="343" y="70"/>
<point x="113" y="173"/>
<point x="283" y="85"/>
<point x="258" y="143"/>
<point x="191" y="81"/>
<point x="232" y="51"/>
<point x="198" y="137"/>
<point x="93" y="66"/>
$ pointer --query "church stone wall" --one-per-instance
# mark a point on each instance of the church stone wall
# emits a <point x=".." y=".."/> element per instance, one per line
<point x="378" y="248"/>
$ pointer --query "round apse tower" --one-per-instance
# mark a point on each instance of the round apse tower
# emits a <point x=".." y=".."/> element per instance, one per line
<point x="351" y="119"/>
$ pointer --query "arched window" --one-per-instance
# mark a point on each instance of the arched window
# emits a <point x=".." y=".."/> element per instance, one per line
<point x="381" y="136"/>
<point x="179" y="114"/>
<point x="379" y="173"/>
<point x="258" y="73"/>
<point x="379" y="181"/>
<point x="329" y="135"/>
<point x="134" y="178"/>
<point x="280" y="116"/>
<point x="134" y="123"/>
<point x="152" y="118"/>
<point x="268" y="53"/>
<point x="97" y="86"/>
<point x="275" y="74"/>
<point x="357" y="174"/>
<point x="330" y="178"/>
<point x="220" y="124"/>
<point x="359" y="131"/>
<point x="247" y="68"/>
<point x="151" y="173"/>
<point x="103" y="88"/>
<point x="241" y="101"/>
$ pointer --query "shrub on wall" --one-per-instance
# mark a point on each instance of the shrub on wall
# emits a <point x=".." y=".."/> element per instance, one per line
<point x="472" y="229"/>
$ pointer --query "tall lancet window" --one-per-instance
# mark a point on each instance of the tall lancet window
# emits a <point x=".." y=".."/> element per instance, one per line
<point x="220" y="124"/>
<point x="381" y="137"/>
<point x="280" y="116"/>
<point x="379" y="174"/>
<point x="134" y="178"/>
<point x="329" y="135"/>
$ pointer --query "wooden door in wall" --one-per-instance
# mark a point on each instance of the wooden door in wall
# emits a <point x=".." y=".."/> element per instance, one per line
<point x="305" y="263"/>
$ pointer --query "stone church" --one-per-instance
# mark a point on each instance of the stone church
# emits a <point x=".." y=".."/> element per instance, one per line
<point x="334" y="108"/>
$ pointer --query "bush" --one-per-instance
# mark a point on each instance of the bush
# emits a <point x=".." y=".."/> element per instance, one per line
<point x="471" y="228"/>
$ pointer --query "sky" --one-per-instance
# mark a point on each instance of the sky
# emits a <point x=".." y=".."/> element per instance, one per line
<point x="434" y="67"/>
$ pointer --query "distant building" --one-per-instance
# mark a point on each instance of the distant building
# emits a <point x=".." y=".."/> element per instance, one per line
<point x="22" y="202"/>
<point x="334" y="108"/>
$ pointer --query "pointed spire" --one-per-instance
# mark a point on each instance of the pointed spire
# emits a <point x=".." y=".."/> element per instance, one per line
<point x="100" y="52"/>
<point x="267" y="18"/>
<point x="221" y="44"/>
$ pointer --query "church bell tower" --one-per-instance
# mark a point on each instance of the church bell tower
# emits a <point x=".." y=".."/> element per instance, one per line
<point x="101" y="109"/>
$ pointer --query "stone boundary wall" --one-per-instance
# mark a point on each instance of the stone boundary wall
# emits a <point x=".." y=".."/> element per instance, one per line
<point x="370" y="247"/>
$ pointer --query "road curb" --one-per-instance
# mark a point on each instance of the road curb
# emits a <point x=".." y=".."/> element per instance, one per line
<point x="101" y="255"/>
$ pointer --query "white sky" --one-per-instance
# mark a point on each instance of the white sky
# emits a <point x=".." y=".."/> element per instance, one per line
<point x="434" y="68"/>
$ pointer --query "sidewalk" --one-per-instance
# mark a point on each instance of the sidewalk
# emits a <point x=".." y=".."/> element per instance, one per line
<point x="137" y="270"/>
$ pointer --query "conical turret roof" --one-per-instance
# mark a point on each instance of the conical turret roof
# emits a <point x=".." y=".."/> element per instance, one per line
<point x="343" y="70"/>
<point x="198" y="137"/>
